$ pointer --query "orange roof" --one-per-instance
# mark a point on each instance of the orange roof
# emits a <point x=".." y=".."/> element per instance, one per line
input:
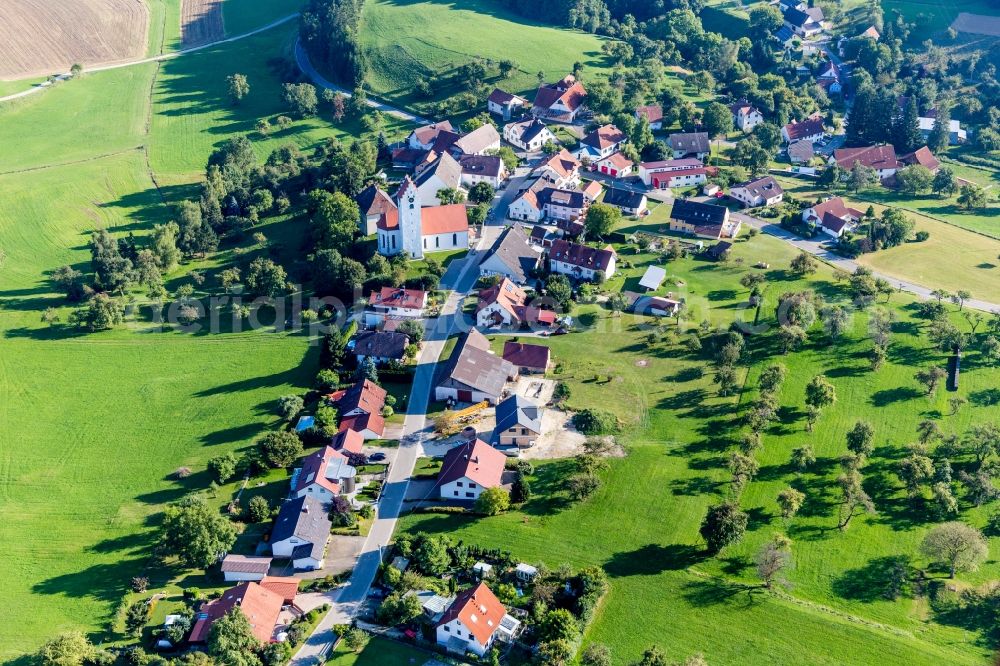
<point x="618" y="161"/>
<point x="362" y="422"/>
<point x="434" y="220"/>
<point x="283" y="586"/>
<point x="260" y="605"/>
<point x="392" y="297"/>
<point x="348" y="440"/>
<point x="479" y="611"/>
<point x="477" y="461"/>
<point x="604" y="137"/>
<point x="563" y="163"/>
<point x="592" y="190"/>
<point x="314" y="470"/>
<point x="365" y="395"/>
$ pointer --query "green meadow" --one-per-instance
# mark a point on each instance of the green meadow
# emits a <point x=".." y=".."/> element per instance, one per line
<point x="642" y="524"/>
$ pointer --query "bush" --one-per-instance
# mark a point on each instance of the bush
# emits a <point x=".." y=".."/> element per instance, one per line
<point x="595" y="422"/>
<point x="258" y="510"/>
<point x="493" y="501"/>
<point x="921" y="236"/>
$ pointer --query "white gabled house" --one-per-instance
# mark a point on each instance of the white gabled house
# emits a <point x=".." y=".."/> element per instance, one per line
<point x="763" y="191"/>
<point x="474" y="622"/>
<point x="581" y="262"/>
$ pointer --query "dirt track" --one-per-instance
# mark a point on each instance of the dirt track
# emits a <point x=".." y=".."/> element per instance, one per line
<point x="977" y="24"/>
<point x="201" y="22"/>
<point x="38" y="37"/>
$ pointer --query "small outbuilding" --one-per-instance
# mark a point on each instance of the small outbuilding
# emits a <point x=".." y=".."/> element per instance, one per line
<point x="653" y="278"/>
<point x="242" y="567"/>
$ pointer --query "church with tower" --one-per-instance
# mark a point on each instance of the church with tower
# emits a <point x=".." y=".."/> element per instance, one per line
<point x="413" y="230"/>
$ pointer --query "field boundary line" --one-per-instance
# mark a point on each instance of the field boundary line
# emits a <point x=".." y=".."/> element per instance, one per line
<point x="94" y="158"/>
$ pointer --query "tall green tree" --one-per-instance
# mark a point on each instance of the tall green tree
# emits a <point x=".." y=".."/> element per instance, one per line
<point x="196" y="533"/>
<point x="231" y="640"/>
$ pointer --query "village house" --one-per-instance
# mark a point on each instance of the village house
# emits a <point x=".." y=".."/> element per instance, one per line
<point x="479" y="141"/>
<point x="511" y="256"/>
<point x="527" y="358"/>
<point x="956" y="134"/>
<point x="561" y="170"/>
<point x="653" y="113"/>
<point x="833" y="216"/>
<point x="829" y="78"/>
<point x="615" y="165"/>
<point x="627" y="201"/>
<point x="518" y="422"/>
<point x="237" y="568"/>
<point x="468" y="469"/>
<point x="363" y="397"/>
<point x="880" y="158"/>
<point x="704" y="220"/>
<point x="800" y="152"/>
<point x="373" y="202"/>
<point x="592" y="190"/>
<point x="655" y="306"/>
<point x="473" y="374"/>
<point x="686" y="144"/>
<point x="301" y="532"/>
<point x="745" y="115"/>
<point x="581" y="262"/>
<point x="506" y="304"/>
<point x="529" y="135"/>
<point x="424" y="138"/>
<point x="763" y="191"/>
<point x="810" y="129"/>
<point x="560" y="101"/>
<point x="504" y="104"/>
<point x="482" y="169"/>
<point x="324" y="475"/>
<point x="922" y="156"/>
<point x="665" y="174"/>
<point x="474" y="622"/>
<point x="804" y="22"/>
<point x="260" y="603"/>
<point x="443" y="173"/>
<point x="412" y="229"/>
<point x="379" y="346"/>
<point x="785" y="36"/>
<point x="395" y="303"/>
<point x="539" y="202"/>
<point x="600" y="143"/>
<point x="368" y="426"/>
<point x="348" y="441"/>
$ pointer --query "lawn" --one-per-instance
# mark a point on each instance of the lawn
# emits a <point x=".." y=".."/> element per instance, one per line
<point x="242" y="16"/>
<point x="678" y="433"/>
<point x="932" y="18"/>
<point x="952" y="258"/>
<point x="380" y="651"/>
<point x="406" y="40"/>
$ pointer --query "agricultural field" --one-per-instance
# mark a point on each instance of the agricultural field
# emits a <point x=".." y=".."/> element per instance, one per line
<point x="40" y="37"/>
<point x="408" y="40"/>
<point x="972" y="263"/>
<point x="642" y="524"/>
<point x="201" y="22"/>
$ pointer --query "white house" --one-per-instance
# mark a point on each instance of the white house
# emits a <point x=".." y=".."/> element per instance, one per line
<point x="241" y="567"/>
<point x="506" y="304"/>
<point x="615" y="165"/>
<point x="529" y="135"/>
<point x="504" y="104"/>
<point x="673" y="173"/>
<point x="684" y="144"/>
<point x="602" y="142"/>
<point x="833" y="216"/>
<point x="444" y="173"/>
<point x="746" y="116"/>
<point x="423" y="138"/>
<point x="468" y="469"/>
<point x="301" y="532"/>
<point x="413" y="230"/>
<point x="373" y="202"/>
<point x="560" y="170"/>
<point x="482" y="169"/>
<point x="474" y="622"/>
<point x="804" y="22"/>
<point x="324" y="475"/>
<point x="473" y="373"/>
<point x="560" y="101"/>
<point x="395" y="303"/>
<point x="653" y="113"/>
<point x="955" y="132"/>
<point x="479" y="141"/>
<point x="763" y="191"/>
<point x="511" y="256"/>
<point x="581" y="262"/>
<point x="810" y="129"/>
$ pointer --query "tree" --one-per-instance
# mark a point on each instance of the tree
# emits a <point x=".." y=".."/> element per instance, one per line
<point x="507" y="67"/>
<point x="301" y="98"/>
<point x="861" y="177"/>
<point x="431" y="555"/>
<point x="334" y="219"/>
<point x="69" y="649"/>
<point x="853" y="497"/>
<point x="602" y="219"/>
<point x="558" y="288"/>
<point x="906" y="135"/>
<point x="971" y="197"/>
<point x="773" y="558"/>
<point x="223" y="466"/>
<point x="481" y="192"/>
<point x="930" y="378"/>
<point x="356" y="640"/>
<point x="196" y="533"/>
<point x="113" y="271"/>
<point x="803" y="457"/>
<point x="493" y="501"/>
<point x="835" y="320"/>
<point x="915" y="178"/>
<point x="280" y="448"/>
<point x="231" y="640"/>
<point x="944" y="183"/>
<point x="596" y="654"/>
<point x="820" y="392"/>
<point x="791" y="337"/>
<point x="557" y="625"/>
<point x="450" y="195"/>
<point x="164" y="246"/>
<point x="100" y="313"/>
<point x="237" y="87"/>
<point x="69" y="281"/>
<point x="289" y="406"/>
<point x="367" y="370"/>
<point x="804" y="264"/>
<point x="718" y="119"/>
<point x="790" y="501"/>
<point x="957" y="545"/>
<point x="940" y="134"/>
<point x="723" y="524"/>
<point x="990" y="349"/>
<point x="771" y="378"/>
<point x="266" y="278"/>
<point x="258" y="509"/>
<point x="861" y="439"/>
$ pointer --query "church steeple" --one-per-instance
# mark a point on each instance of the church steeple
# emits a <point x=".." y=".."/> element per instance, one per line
<point x="408" y="205"/>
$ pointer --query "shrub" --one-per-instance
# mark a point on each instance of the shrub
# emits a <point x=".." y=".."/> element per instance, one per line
<point x="258" y="509"/>
<point x="595" y="422"/>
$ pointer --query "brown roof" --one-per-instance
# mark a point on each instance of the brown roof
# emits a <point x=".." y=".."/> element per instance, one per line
<point x="604" y="137"/>
<point x="472" y="364"/>
<point x="481" y="165"/>
<point x="580" y="255"/>
<point x="479" y="611"/>
<point x="592" y="190"/>
<point x="393" y="297"/>
<point x="765" y="186"/>
<point x="837" y="207"/>
<point x="260" y="606"/>
<point x="808" y="127"/>
<point x="364" y="395"/>
<point x="380" y="344"/>
<point x="689" y="142"/>
<point x="502" y="97"/>
<point x="514" y="300"/>
<point x="570" y="91"/>
<point x="515" y="251"/>
<point x="876" y="157"/>
<point x="433" y="220"/>
<point x="374" y="201"/>
<point x="524" y="355"/>
<point x="563" y="163"/>
<point x="244" y="564"/>
<point x="477" y="461"/>
<point x="653" y="113"/>
<point x="373" y="422"/>
<point x="284" y="586"/>
<point x="922" y="156"/>
<point x="429" y="133"/>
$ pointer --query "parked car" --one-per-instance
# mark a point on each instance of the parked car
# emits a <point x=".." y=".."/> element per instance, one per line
<point x="375" y="457"/>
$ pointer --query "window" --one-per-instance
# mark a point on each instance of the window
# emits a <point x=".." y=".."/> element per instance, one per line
<point x="458" y="483"/>
<point x="456" y="493"/>
<point x="454" y="239"/>
<point x="470" y="494"/>
<point x="447" y="628"/>
<point x="471" y="484"/>
<point x="425" y="243"/>
<point x="393" y="242"/>
<point x="524" y="431"/>
<point x="437" y="241"/>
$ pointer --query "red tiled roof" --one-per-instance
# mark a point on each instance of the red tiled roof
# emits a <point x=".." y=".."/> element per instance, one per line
<point x="836" y="206"/>
<point x="314" y="470"/>
<point x="393" y="297"/>
<point x="476" y="461"/>
<point x="604" y="137"/>
<point x="284" y="586"/>
<point x="571" y="95"/>
<point x="434" y="220"/>
<point x="526" y="355"/>
<point x="479" y="611"/>
<point x="348" y="440"/>
<point x="922" y="156"/>
<point x="563" y="163"/>
<point x="260" y="606"/>
<point x="365" y="395"/>
<point x="876" y="157"/>
<point x="428" y="133"/>
<point x="362" y="422"/>
<point x="808" y="127"/>
<point x="682" y="163"/>
<point x="618" y="161"/>
<point x="653" y="113"/>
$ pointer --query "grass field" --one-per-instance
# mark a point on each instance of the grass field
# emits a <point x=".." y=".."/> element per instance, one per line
<point x="952" y="258"/>
<point x="406" y="40"/>
<point x="641" y="526"/>
<point x="932" y="18"/>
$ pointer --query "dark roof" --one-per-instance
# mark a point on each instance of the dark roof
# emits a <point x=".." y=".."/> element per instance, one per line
<point x="719" y="249"/>
<point x="518" y="411"/>
<point x="525" y="355"/>
<point x="380" y="344"/>
<point x="472" y="364"/>
<point x="374" y="201"/>
<point x="580" y="255"/>
<point x="765" y="186"/>
<point x="801" y="150"/>
<point x="305" y="518"/>
<point x="689" y="142"/>
<point x="623" y="198"/>
<point x="784" y="34"/>
<point x="567" y="198"/>
<point x="515" y="251"/>
<point x="481" y="165"/>
<point x="502" y="97"/>
<point x="808" y="127"/>
<point x="444" y="167"/>
<point x="797" y="17"/>
<point x="697" y="213"/>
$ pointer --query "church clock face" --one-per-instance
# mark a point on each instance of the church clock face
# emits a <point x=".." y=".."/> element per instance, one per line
<point x="411" y="201"/>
